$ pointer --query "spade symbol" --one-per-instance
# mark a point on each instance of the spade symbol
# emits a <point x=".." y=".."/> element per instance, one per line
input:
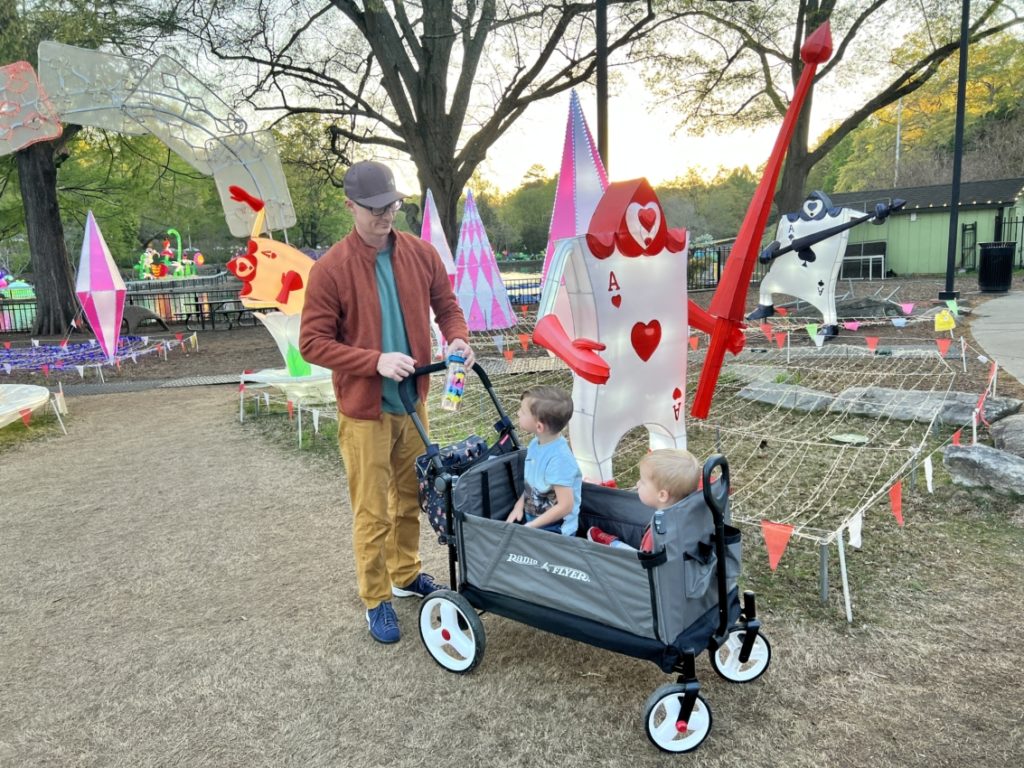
<point x="806" y="255"/>
<point x="821" y="287"/>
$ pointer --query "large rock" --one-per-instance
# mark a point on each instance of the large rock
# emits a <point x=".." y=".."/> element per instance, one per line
<point x="787" y="396"/>
<point x="981" y="466"/>
<point x="1008" y="434"/>
<point x="954" y="408"/>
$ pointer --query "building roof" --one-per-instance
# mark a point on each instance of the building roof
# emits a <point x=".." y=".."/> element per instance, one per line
<point x="973" y="194"/>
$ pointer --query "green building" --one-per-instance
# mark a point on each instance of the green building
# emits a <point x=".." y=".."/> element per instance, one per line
<point x="915" y="240"/>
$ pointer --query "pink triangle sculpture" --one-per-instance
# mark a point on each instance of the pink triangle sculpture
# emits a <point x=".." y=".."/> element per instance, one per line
<point x="434" y="234"/>
<point x="478" y="284"/>
<point x="581" y="182"/>
<point x="100" y="289"/>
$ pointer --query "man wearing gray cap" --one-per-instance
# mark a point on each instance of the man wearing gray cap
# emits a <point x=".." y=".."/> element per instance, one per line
<point x="367" y="318"/>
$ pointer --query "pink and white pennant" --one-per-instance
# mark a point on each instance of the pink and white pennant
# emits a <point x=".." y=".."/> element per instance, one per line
<point x="100" y="289"/>
<point x="478" y="284"/>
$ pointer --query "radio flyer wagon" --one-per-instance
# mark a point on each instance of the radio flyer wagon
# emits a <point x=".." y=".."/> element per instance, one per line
<point x="666" y="605"/>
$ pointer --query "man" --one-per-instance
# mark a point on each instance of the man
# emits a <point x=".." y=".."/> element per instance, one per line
<point x="367" y="318"/>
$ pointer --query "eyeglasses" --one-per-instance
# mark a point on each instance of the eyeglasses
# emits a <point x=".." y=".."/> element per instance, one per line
<point x="393" y="208"/>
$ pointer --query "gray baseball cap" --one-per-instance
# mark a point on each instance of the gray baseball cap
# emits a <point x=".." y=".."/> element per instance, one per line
<point x="371" y="184"/>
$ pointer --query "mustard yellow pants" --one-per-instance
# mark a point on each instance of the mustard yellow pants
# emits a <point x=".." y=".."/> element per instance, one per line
<point x="379" y="458"/>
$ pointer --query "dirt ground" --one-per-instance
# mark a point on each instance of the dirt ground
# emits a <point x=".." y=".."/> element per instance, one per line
<point x="177" y="591"/>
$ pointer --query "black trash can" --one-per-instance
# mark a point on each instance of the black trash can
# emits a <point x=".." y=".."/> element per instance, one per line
<point x="995" y="266"/>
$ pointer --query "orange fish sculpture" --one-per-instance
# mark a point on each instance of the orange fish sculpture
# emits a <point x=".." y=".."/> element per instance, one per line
<point x="273" y="274"/>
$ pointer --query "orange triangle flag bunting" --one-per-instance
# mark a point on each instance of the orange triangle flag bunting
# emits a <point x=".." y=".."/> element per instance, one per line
<point x="291" y="410"/>
<point x="781" y="339"/>
<point x="943" y="345"/>
<point x="508" y="354"/>
<point x="956" y="437"/>
<point x="524" y="341"/>
<point x="693" y="342"/>
<point x="896" y="501"/>
<point x="776" y="539"/>
<point x="26" y="415"/>
<point x="872" y="342"/>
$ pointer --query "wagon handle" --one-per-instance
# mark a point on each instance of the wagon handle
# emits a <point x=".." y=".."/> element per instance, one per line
<point x="716" y="496"/>
<point x="406" y="391"/>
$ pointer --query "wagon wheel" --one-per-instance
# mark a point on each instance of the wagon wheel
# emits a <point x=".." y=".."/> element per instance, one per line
<point x="661" y="720"/>
<point x="451" y="631"/>
<point x="726" y="658"/>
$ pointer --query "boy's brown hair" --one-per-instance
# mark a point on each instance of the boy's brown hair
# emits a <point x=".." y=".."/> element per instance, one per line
<point x="673" y="470"/>
<point x="551" y="406"/>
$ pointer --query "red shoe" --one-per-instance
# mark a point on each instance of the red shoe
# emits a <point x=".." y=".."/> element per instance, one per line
<point x="598" y="536"/>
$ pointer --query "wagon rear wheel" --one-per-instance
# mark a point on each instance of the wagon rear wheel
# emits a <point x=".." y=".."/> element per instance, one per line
<point x="726" y="658"/>
<point x="451" y="631"/>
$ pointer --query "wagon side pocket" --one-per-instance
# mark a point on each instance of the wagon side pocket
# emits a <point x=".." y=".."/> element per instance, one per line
<point x="733" y="555"/>
<point x="699" y="570"/>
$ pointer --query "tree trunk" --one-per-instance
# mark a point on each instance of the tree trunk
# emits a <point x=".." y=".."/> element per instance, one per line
<point x="446" y="183"/>
<point x="56" y="304"/>
<point x="790" y="194"/>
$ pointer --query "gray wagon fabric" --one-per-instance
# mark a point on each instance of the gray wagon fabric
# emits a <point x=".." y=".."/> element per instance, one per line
<point x="604" y="584"/>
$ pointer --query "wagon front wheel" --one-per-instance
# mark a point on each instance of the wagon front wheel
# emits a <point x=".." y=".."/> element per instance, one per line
<point x="451" y="631"/>
<point x="664" y="727"/>
<point x="726" y="658"/>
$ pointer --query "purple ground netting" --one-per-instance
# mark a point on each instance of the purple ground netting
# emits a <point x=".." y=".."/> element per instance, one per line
<point x="32" y="358"/>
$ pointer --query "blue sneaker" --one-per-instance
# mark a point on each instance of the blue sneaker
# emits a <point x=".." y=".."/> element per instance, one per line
<point x="383" y="623"/>
<point x="421" y="586"/>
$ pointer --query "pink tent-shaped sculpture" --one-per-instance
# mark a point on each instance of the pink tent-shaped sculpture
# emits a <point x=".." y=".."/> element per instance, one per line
<point x="100" y="289"/>
<point x="478" y="284"/>
<point x="581" y="182"/>
<point x="434" y="234"/>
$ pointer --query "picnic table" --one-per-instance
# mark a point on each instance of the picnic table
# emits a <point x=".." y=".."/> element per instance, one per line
<point x="229" y="312"/>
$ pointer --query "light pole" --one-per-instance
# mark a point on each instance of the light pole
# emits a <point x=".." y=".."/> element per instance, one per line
<point x="958" y="151"/>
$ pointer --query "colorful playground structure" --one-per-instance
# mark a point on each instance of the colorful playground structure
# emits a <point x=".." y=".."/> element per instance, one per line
<point x="166" y="263"/>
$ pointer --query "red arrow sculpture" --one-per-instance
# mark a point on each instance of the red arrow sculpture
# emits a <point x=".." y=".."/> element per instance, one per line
<point x="724" y="320"/>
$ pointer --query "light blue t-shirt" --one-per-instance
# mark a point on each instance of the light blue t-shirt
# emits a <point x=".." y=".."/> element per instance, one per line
<point x="548" y="465"/>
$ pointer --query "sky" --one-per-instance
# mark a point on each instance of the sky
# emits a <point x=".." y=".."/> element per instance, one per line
<point x="640" y="144"/>
<point x="640" y="141"/>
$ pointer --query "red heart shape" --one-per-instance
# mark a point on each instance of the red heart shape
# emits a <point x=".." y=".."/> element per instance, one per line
<point x="676" y="393"/>
<point x="645" y="338"/>
<point x="617" y="300"/>
<point x="647" y="217"/>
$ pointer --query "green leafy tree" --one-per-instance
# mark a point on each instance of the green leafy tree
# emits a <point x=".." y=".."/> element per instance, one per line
<point x="527" y="210"/>
<point x="994" y="121"/>
<point x="22" y="26"/>
<point x="315" y="177"/>
<point x="714" y="207"/>
<point x="728" y="65"/>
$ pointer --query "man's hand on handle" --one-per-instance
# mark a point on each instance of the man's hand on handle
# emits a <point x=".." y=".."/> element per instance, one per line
<point x="461" y="347"/>
<point x="395" y="365"/>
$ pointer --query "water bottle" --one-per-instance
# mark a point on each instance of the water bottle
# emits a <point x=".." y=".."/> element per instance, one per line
<point x="454" y="383"/>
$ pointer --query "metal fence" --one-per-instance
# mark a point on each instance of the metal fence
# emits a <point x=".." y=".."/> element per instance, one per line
<point x="1008" y="230"/>
<point x="174" y="300"/>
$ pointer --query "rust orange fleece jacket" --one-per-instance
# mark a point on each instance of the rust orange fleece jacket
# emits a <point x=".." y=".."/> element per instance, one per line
<point x="341" y="319"/>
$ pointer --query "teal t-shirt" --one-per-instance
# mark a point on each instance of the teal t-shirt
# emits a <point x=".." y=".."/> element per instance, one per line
<point x="392" y="329"/>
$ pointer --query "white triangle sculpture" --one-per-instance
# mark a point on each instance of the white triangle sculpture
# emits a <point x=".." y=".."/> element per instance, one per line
<point x="478" y="284"/>
<point x="433" y="233"/>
